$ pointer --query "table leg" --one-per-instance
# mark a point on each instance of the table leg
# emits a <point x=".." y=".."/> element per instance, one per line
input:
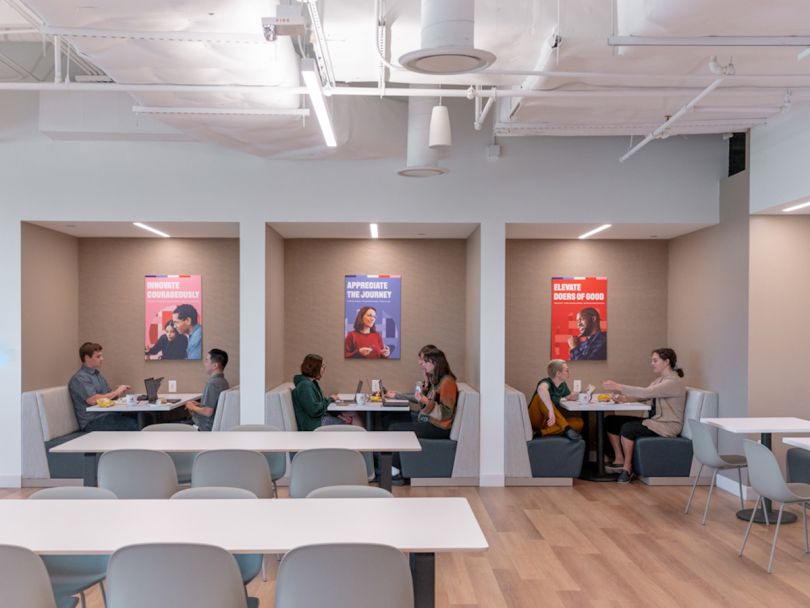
<point x="142" y="420"/>
<point x="759" y="518"/>
<point x="423" y="571"/>
<point x="597" y="473"/>
<point x="90" y="469"/>
<point x="386" y="460"/>
<point x="369" y="421"/>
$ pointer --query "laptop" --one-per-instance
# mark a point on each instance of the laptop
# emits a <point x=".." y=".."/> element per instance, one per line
<point x="152" y="386"/>
<point x="390" y="402"/>
<point x="349" y="397"/>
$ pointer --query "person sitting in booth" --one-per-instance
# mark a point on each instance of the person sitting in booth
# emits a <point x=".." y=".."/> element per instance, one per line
<point x="88" y="386"/>
<point x="202" y="411"/>
<point x="186" y="321"/>
<point x="364" y="342"/>
<point x="544" y="412"/>
<point x="667" y="396"/>
<point x="309" y="403"/>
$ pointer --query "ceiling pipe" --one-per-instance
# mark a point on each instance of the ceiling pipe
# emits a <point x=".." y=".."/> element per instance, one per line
<point x="661" y="130"/>
<point x="775" y="41"/>
<point x="220" y="111"/>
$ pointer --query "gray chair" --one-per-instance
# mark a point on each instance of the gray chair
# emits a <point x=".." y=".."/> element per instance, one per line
<point x="350" y="492"/>
<point x="766" y="479"/>
<point x="313" y="469"/>
<point x="708" y="456"/>
<point x="24" y="579"/>
<point x="386" y="577"/>
<point x="137" y="474"/>
<point x="176" y="575"/>
<point x="249" y="564"/>
<point x="233" y="469"/>
<point x="183" y="461"/>
<point x="350" y="428"/>
<point x="276" y="460"/>
<point x="73" y="574"/>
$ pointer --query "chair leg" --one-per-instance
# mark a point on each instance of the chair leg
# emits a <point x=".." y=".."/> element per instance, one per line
<point x="739" y="478"/>
<point x="264" y="568"/>
<point x="709" y="498"/>
<point x="275" y="489"/>
<point x="748" y="527"/>
<point x="82" y="599"/>
<point x="804" y="513"/>
<point x="103" y="593"/>
<point x="775" y="537"/>
<point x="694" y="486"/>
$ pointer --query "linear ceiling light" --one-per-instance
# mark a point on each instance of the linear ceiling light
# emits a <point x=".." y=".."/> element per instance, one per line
<point x="150" y="229"/>
<point x="594" y="231"/>
<point x="312" y="80"/>
<point x="374" y="232"/>
<point x="796" y="207"/>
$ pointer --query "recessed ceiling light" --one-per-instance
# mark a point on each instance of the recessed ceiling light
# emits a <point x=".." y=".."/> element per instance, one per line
<point x="150" y="229"/>
<point x="375" y="234"/>
<point x="796" y="207"/>
<point x="594" y="231"/>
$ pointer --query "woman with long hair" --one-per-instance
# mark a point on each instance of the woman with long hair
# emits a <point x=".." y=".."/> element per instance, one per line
<point x="363" y="342"/>
<point x="309" y="403"/>
<point x="667" y="396"/>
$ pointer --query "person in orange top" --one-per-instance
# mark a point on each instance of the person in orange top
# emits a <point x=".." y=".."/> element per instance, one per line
<point x="436" y="409"/>
<point x="364" y="342"/>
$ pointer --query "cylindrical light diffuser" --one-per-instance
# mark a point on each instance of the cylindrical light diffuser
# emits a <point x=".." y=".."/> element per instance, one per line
<point x="440" y="135"/>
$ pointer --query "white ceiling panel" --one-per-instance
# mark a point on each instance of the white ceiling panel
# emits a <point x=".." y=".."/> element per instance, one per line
<point x="216" y="230"/>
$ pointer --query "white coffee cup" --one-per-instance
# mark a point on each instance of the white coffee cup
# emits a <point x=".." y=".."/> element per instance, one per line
<point x="360" y="399"/>
<point x="132" y="399"/>
<point x="583" y="397"/>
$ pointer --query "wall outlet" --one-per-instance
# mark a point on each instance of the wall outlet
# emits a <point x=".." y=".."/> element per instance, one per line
<point x="577" y="385"/>
<point x="172" y="386"/>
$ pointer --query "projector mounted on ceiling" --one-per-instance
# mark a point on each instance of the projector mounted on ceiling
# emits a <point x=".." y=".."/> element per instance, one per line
<point x="447" y="40"/>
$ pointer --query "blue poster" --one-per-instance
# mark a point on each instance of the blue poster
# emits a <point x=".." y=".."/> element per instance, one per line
<point x="372" y="323"/>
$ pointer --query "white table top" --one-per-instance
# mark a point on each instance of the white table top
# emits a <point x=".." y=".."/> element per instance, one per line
<point x="145" y="406"/>
<point x="595" y="406"/>
<point x="280" y="441"/>
<point x="760" y="425"/>
<point x="240" y="526"/>
<point x="798" y="442"/>
<point x="351" y="406"/>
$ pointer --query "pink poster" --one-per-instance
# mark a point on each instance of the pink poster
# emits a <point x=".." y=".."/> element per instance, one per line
<point x="173" y="316"/>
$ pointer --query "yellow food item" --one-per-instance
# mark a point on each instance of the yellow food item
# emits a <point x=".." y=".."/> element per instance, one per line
<point x="375" y="398"/>
<point x="105" y="402"/>
<point x="603" y="397"/>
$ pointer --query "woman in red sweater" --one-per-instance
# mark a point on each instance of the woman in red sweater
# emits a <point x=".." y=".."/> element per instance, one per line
<point x="364" y="342"/>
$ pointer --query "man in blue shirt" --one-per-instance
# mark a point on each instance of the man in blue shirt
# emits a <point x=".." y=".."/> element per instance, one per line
<point x="186" y="321"/>
<point x="88" y="385"/>
<point x="591" y="343"/>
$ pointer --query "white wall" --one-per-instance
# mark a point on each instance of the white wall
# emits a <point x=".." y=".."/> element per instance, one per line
<point x="536" y="180"/>
<point x="779" y="156"/>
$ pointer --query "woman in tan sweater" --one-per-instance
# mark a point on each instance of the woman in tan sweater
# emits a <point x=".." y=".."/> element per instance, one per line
<point x="667" y="396"/>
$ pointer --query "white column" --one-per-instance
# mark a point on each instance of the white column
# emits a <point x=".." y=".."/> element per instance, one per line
<point x="493" y="351"/>
<point x="252" y="237"/>
<point x="10" y="343"/>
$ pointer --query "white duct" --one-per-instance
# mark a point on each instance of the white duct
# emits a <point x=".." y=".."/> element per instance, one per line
<point x="422" y="161"/>
<point x="448" y="45"/>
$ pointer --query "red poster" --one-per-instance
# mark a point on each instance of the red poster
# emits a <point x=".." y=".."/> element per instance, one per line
<point x="579" y="318"/>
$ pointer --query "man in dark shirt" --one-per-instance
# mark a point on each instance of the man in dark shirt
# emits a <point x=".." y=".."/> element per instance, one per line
<point x="88" y="385"/>
<point x="591" y="343"/>
<point x="202" y="412"/>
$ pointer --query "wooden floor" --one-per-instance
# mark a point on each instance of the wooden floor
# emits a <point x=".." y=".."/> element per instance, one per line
<point x="604" y="545"/>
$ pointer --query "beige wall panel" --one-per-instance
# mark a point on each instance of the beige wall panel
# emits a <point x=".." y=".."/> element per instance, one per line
<point x="111" y="298"/>
<point x="433" y="305"/>
<point x="50" y="307"/>
<point x="637" y="306"/>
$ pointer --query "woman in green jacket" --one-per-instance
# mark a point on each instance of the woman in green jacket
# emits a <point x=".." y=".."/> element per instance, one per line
<point x="309" y="403"/>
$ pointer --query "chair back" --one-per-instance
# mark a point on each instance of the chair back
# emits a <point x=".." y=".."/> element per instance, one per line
<point x="278" y="407"/>
<point x="703" y="444"/>
<point x="183" y="461"/>
<point x="350" y="492"/>
<point x="233" y="469"/>
<point x="313" y="469"/>
<point x="23" y="579"/>
<point x="177" y="575"/>
<point x="386" y="577"/>
<point x="137" y="474"/>
<point x="276" y="460"/>
<point x="73" y="493"/>
<point x="249" y="564"/>
<point x="764" y="473"/>
<point x="699" y="404"/>
<point x="226" y="414"/>
<point x="350" y="428"/>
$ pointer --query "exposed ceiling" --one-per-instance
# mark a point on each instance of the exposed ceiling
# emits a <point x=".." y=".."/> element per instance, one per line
<point x="596" y="89"/>
<point x="214" y="230"/>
